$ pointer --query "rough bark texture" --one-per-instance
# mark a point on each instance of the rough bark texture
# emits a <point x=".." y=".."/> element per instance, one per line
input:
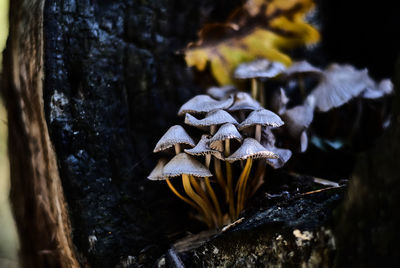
<point x="36" y="191"/>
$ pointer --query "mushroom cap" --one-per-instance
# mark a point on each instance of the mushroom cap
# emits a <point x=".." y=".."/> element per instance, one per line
<point x="202" y="148"/>
<point x="279" y="100"/>
<point x="299" y="117"/>
<point x="243" y="101"/>
<point x="226" y="132"/>
<point x="185" y="164"/>
<point x="300" y="67"/>
<point x="340" y="84"/>
<point x="261" y="68"/>
<point x="221" y="93"/>
<point x="157" y="173"/>
<point x="174" y="135"/>
<point x="204" y="104"/>
<point x="261" y="117"/>
<point x="218" y="117"/>
<point x="385" y="87"/>
<point x="250" y="149"/>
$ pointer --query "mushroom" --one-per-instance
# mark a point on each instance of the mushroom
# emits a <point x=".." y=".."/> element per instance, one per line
<point x="158" y="175"/>
<point x="212" y="120"/>
<point x="186" y="166"/>
<point x="221" y="93"/>
<point x="341" y="83"/>
<point x="298" y="119"/>
<point x="204" y="104"/>
<point x="174" y="136"/>
<point x="279" y="100"/>
<point x="202" y="149"/>
<point x="259" y="119"/>
<point x="261" y="68"/>
<point x="221" y="141"/>
<point x="249" y="150"/>
<point x="243" y="101"/>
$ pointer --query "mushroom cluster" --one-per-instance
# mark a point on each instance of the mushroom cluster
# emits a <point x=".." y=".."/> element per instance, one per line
<point x="227" y="164"/>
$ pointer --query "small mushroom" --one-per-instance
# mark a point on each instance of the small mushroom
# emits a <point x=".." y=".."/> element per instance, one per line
<point x="302" y="67"/>
<point x="202" y="149"/>
<point x="261" y="68"/>
<point x="279" y="100"/>
<point x="186" y="166"/>
<point x="204" y="104"/>
<point x="249" y="150"/>
<point x="212" y="120"/>
<point x="221" y="93"/>
<point x="259" y="119"/>
<point x="174" y="136"/>
<point x="341" y="83"/>
<point x="221" y="141"/>
<point x="243" y="101"/>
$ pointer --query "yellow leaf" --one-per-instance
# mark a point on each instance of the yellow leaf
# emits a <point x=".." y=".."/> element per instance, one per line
<point x="259" y="29"/>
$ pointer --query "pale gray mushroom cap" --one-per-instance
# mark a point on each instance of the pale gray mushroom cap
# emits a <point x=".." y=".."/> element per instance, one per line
<point x="204" y="104"/>
<point x="218" y="117"/>
<point x="300" y="67"/>
<point x="221" y="93"/>
<point x="157" y="173"/>
<point x="300" y="117"/>
<point x="341" y="83"/>
<point x="226" y="132"/>
<point x="202" y="148"/>
<point x="279" y="101"/>
<point x="243" y="101"/>
<point x="262" y="117"/>
<point x="185" y="164"/>
<point x="251" y="149"/>
<point x="260" y="68"/>
<point x="174" y="135"/>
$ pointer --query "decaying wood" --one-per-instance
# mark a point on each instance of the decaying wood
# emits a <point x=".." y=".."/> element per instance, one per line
<point x="36" y="191"/>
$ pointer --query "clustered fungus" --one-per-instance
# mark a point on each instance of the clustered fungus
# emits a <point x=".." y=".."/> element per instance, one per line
<point x="216" y="172"/>
<point x="225" y="165"/>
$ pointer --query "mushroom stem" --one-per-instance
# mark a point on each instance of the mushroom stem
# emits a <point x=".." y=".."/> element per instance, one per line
<point x="261" y="93"/>
<point x="211" y="191"/>
<point x="177" y="148"/>
<point x="258" y="133"/>
<point x="259" y="178"/>
<point x="215" y="200"/>
<point x="254" y="88"/>
<point x="230" y="196"/>
<point x="196" y="198"/>
<point x="182" y="197"/>
<point x="218" y="173"/>
<point x="203" y="195"/>
<point x="213" y="129"/>
<point x="241" y="185"/>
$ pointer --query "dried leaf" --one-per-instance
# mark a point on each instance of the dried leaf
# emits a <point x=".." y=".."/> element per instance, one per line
<point x="259" y="29"/>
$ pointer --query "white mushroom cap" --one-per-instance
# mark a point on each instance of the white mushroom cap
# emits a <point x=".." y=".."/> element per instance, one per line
<point x="204" y="104"/>
<point x="260" y="68"/>
<point x="157" y="173"/>
<point x="202" y="148"/>
<point x="218" y="117"/>
<point x="226" y="132"/>
<point x="174" y="135"/>
<point x="262" y="117"/>
<point x="185" y="164"/>
<point x="250" y="149"/>
<point x="243" y="101"/>
<point x="221" y="93"/>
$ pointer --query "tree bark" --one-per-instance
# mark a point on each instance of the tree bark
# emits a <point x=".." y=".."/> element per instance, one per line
<point x="36" y="191"/>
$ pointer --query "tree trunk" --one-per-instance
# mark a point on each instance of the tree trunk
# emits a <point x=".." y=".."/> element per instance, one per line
<point x="101" y="81"/>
